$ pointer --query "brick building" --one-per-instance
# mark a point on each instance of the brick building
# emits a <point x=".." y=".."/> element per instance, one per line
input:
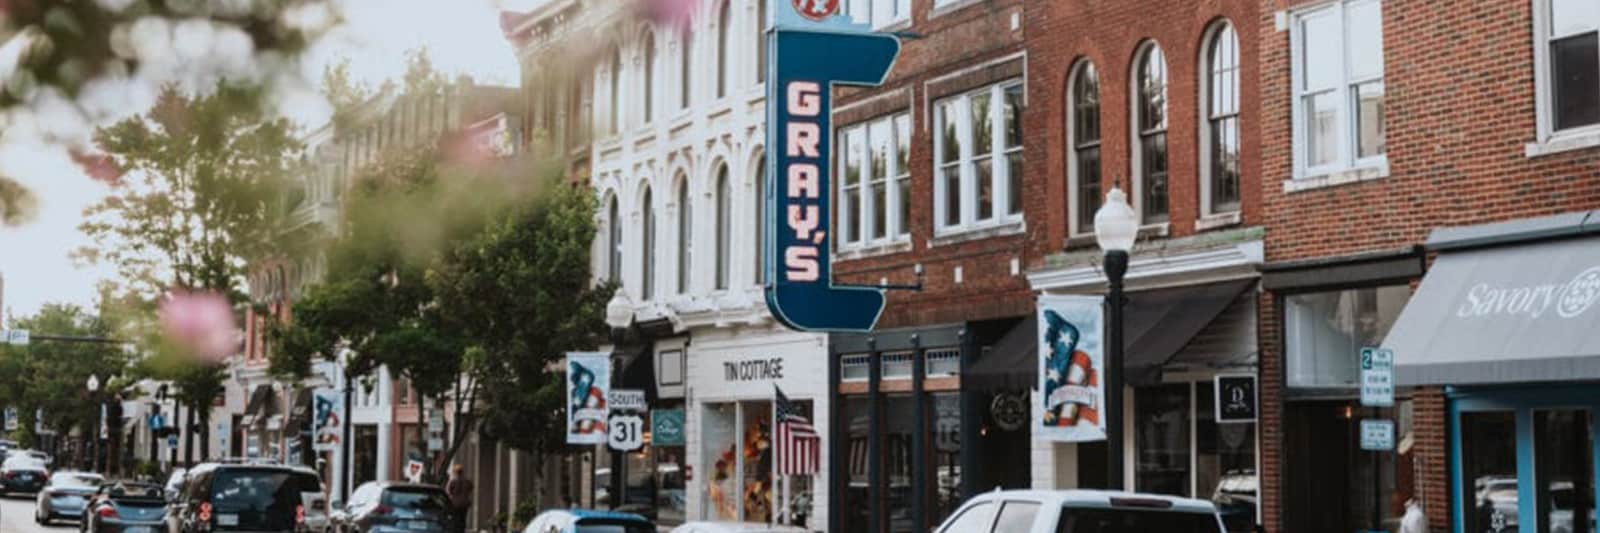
<point x="1422" y="157"/>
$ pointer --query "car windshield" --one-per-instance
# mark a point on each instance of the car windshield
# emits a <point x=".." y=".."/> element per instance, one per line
<point x="1135" y="521"/>
<point x="136" y="491"/>
<point x="75" y="480"/>
<point x="602" y="525"/>
<point x="416" y="499"/>
<point x="22" y="462"/>
<point x="259" y="498"/>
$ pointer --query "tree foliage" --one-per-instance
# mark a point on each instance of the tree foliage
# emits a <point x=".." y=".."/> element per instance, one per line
<point x="51" y="375"/>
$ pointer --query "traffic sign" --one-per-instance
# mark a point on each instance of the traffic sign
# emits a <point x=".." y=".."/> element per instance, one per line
<point x="627" y="400"/>
<point x="172" y="441"/>
<point x="627" y="432"/>
<point x="1377" y="377"/>
<point x="18" y="337"/>
<point x="1377" y="435"/>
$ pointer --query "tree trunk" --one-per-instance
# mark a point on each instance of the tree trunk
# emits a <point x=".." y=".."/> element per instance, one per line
<point x="205" y="434"/>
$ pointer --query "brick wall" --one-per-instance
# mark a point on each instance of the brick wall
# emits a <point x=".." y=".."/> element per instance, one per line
<point x="946" y="42"/>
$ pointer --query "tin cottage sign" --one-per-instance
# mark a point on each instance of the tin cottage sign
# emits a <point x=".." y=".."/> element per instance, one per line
<point x="812" y="47"/>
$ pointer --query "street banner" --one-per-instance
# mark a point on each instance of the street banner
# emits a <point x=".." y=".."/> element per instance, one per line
<point x="666" y="427"/>
<point x="1071" y="361"/>
<point x="804" y="64"/>
<point x="327" y="432"/>
<point x="588" y="388"/>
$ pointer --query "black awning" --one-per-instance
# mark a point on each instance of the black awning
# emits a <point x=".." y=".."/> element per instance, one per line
<point x="300" y="412"/>
<point x="1012" y="362"/>
<point x="1158" y="323"/>
<point x="638" y="370"/>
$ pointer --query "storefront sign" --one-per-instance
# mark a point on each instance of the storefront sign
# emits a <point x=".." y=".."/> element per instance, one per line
<point x="1377" y="377"/>
<point x="627" y="400"/>
<point x="588" y="380"/>
<point x="627" y="432"/>
<point x="1377" y="435"/>
<point x="1071" y="359"/>
<point x="754" y="369"/>
<point x="804" y="64"/>
<point x="1009" y="411"/>
<point x="328" y="430"/>
<point x="1570" y="298"/>
<point x="666" y="427"/>
<point x="1236" y="398"/>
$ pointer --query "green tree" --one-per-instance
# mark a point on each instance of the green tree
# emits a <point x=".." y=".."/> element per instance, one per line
<point x="51" y="375"/>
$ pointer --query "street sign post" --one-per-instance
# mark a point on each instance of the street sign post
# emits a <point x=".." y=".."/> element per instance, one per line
<point x="1377" y="377"/>
<point x="627" y="432"/>
<point x="629" y="400"/>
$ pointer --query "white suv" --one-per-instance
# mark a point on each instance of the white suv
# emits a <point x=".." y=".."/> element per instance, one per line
<point x="1081" y="511"/>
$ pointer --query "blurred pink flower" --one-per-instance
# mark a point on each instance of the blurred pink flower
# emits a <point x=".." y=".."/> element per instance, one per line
<point x="201" y="323"/>
<point x="664" y="12"/>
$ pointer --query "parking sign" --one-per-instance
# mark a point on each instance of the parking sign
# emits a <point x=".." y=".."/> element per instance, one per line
<point x="1377" y="377"/>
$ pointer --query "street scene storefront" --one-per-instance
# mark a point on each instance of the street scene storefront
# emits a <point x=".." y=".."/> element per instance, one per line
<point x="1504" y="321"/>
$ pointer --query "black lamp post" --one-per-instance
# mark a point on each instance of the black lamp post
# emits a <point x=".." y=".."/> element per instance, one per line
<point x="95" y="446"/>
<point x="1116" y="227"/>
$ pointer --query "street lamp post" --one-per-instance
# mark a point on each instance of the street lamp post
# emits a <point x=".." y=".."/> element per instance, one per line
<point x="94" y="442"/>
<point x="1116" y="227"/>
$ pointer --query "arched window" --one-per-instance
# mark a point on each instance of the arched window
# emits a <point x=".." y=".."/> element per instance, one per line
<point x="616" y="90"/>
<point x="1150" y="133"/>
<point x="760" y="218"/>
<point x="685" y="235"/>
<point x="685" y="46"/>
<point x="1083" y="120"/>
<point x="1220" y="170"/>
<point x="613" y="242"/>
<point x="760" y="29"/>
<point x="724" y="227"/>
<point x="722" y="49"/>
<point x="648" y="107"/>
<point x="647" y="215"/>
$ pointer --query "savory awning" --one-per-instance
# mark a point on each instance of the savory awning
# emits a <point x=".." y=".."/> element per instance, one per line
<point x="1509" y="314"/>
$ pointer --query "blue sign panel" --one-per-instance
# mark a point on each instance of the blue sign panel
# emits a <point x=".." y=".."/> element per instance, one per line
<point x="813" y="48"/>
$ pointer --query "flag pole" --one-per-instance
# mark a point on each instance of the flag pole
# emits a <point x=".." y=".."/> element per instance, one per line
<point x="776" y="442"/>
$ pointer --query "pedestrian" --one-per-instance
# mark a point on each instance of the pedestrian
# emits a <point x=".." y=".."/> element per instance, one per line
<point x="1414" y="520"/>
<point x="459" y="488"/>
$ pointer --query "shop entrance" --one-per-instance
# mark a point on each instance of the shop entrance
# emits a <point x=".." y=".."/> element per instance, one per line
<point x="1331" y="484"/>
<point x="1524" y="460"/>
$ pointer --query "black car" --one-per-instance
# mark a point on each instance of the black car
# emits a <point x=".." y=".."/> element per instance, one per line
<point x="65" y="496"/>
<point x="21" y="473"/>
<point x="386" y="506"/>
<point x="125" y="507"/>
<point x="239" y="497"/>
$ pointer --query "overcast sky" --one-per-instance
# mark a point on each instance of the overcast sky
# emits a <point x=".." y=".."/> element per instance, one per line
<point x="462" y="36"/>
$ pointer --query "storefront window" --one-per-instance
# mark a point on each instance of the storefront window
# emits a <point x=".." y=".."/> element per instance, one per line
<point x="1225" y="462"/>
<point x="756" y="451"/>
<point x="946" y="409"/>
<point x="899" y="426"/>
<point x="1334" y="486"/>
<point x="671" y="502"/>
<point x="1489" y="461"/>
<point x="1161" y="422"/>
<point x="720" y="450"/>
<point x="1326" y="330"/>
<point x="640" y="477"/>
<point x="1563" y="459"/>
<point x="857" y="493"/>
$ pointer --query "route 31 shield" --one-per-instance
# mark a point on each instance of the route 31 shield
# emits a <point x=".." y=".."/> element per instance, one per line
<point x="627" y="432"/>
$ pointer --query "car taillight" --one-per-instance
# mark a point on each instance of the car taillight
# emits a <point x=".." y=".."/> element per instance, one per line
<point x="205" y="511"/>
<point x="299" y="514"/>
<point x="106" y="511"/>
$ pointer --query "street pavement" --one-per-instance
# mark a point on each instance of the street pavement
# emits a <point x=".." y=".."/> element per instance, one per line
<point x="16" y="516"/>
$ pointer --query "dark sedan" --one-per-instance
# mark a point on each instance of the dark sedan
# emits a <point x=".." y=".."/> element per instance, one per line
<point x="384" y="507"/>
<point x="22" y="474"/>
<point x="65" y="496"/>
<point x="126" y="507"/>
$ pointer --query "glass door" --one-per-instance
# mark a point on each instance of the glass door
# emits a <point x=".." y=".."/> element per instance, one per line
<point x="1523" y="461"/>
<point x="1563" y="462"/>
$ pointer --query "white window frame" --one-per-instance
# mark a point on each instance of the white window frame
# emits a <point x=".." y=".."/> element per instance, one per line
<point x="649" y="54"/>
<point x="722" y="201"/>
<point x="1136" y="184"/>
<point x="1207" y="180"/>
<point x="683" y="200"/>
<point x="1074" y="229"/>
<point x="996" y="157"/>
<point x="1544" y="94"/>
<point x="880" y="13"/>
<point x="897" y="230"/>
<point x="1345" y="157"/>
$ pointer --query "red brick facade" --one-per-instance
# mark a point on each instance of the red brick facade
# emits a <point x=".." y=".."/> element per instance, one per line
<point x="1460" y="109"/>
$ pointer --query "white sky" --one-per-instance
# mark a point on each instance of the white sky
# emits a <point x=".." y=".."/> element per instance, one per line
<point x="462" y="36"/>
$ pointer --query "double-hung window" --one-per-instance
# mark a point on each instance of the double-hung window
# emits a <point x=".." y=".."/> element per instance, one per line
<point x="1220" y="185"/>
<point x="1150" y="138"/>
<point x="978" y="158"/>
<point x="1567" y="47"/>
<point x="1338" y="88"/>
<point x="880" y="13"/>
<point x="876" y="188"/>
<point x="1084" y="125"/>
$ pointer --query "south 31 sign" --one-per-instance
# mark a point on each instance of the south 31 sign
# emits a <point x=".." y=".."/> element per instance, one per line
<point x="812" y="46"/>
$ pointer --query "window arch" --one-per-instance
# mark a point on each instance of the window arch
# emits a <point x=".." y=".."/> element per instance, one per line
<point x="760" y="212"/>
<point x="613" y="241"/>
<point x="648" y="105"/>
<point x="723" y="21"/>
<point x="616" y="90"/>
<point x="685" y="234"/>
<point x="1219" y="168"/>
<point x="1150" y="133"/>
<point x="724" y="205"/>
<point x="1083" y="129"/>
<point x="647" y="260"/>
<point x="685" y="46"/>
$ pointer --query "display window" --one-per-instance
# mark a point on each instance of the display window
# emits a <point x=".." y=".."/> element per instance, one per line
<point x="736" y="449"/>
<point x="1524" y="460"/>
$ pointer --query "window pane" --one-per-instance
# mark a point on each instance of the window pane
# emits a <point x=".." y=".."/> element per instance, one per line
<point x="1369" y="119"/>
<point x="1324" y="331"/>
<point x="1563" y="455"/>
<point x="760" y="220"/>
<point x="879" y="138"/>
<point x="902" y="142"/>
<point x="949" y="141"/>
<point x="723" y="23"/>
<point x="1225" y="164"/>
<point x="952" y="194"/>
<point x="757" y="483"/>
<point x="852" y="210"/>
<point x="1086" y="116"/>
<point x="1012" y="115"/>
<point x="724" y="227"/>
<point x="1154" y="170"/>
<point x="648" y="255"/>
<point x="879" y="209"/>
<point x="1016" y="517"/>
<point x="857" y="412"/>
<point x="946" y="410"/>
<point x="1320" y="50"/>
<point x="903" y="224"/>
<point x="976" y="519"/>
<point x="1366" y="40"/>
<point x="1224" y="88"/>
<point x="760" y="28"/>
<point x="1573" y="16"/>
<point x="898" y="426"/>
<point x="855" y="153"/>
<point x="1225" y="461"/>
<point x="1322" y="126"/>
<point x="649" y="90"/>
<point x="1088" y="187"/>
<point x="1575" y="65"/>
<point x="1013" y="162"/>
<point x="1153" y="91"/>
<point x="982" y="125"/>
<point x="685" y="237"/>
<point x="983" y="174"/>
<point x="719" y="432"/>
<point x="1489" y="462"/>
<point x="1161" y="425"/>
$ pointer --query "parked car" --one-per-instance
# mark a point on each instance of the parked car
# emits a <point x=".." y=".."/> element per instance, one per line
<point x="125" y="507"/>
<point x="587" y="521"/>
<point x="390" y="506"/>
<point x="734" y="527"/>
<point x="65" y="495"/>
<point x="1082" y="511"/>
<point x="236" y="497"/>
<point x="20" y="473"/>
<point x="174" y="483"/>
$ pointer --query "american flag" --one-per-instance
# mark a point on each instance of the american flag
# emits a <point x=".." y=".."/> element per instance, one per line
<point x="798" y="447"/>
